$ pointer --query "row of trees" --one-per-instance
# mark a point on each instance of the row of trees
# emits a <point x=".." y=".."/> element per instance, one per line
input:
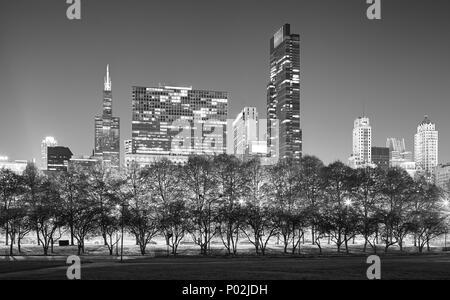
<point x="223" y="198"/>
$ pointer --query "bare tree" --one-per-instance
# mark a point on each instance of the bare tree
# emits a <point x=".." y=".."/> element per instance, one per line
<point x="398" y="190"/>
<point x="232" y="183"/>
<point x="47" y="213"/>
<point x="198" y="178"/>
<point x="261" y="226"/>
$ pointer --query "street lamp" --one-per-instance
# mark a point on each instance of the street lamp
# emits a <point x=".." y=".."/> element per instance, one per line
<point x="348" y="202"/>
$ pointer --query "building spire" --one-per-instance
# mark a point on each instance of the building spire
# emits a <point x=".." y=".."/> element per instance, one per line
<point x="107" y="80"/>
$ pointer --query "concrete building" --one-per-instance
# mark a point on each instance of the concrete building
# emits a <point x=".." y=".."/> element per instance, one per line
<point x="426" y="147"/>
<point x="362" y="144"/>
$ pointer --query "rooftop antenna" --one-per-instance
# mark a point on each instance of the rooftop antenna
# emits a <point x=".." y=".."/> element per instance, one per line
<point x="364" y="108"/>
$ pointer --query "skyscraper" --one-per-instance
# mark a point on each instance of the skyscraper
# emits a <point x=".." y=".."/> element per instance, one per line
<point x="362" y="143"/>
<point x="175" y="122"/>
<point x="426" y="147"/>
<point x="107" y="130"/>
<point x="48" y="141"/>
<point x="58" y="158"/>
<point x="380" y="157"/>
<point x="245" y="132"/>
<point x="283" y="96"/>
<point x="397" y="152"/>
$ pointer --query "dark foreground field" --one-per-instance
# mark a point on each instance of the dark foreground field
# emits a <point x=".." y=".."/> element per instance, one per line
<point x="197" y="268"/>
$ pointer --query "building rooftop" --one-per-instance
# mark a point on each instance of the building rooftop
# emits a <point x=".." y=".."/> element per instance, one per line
<point x="426" y="120"/>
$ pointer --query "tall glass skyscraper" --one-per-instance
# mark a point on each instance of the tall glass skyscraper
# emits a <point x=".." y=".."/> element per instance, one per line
<point x="283" y="96"/>
<point x="175" y="122"/>
<point x="107" y="130"/>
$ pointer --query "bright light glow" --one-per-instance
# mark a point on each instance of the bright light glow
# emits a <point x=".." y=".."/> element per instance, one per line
<point x="446" y="202"/>
<point x="348" y="202"/>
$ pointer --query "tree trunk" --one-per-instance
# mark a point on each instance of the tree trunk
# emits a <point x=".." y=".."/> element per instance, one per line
<point x="7" y="234"/>
<point x="71" y="235"/>
<point x="38" y="237"/>
<point x="11" y="247"/>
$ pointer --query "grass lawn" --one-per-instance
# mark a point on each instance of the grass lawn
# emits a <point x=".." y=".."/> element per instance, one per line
<point x="241" y="268"/>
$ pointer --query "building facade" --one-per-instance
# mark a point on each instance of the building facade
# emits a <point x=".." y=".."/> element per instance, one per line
<point x="397" y="152"/>
<point x="17" y="166"/>
<point x="58" y="159"/>
<point x="245" y="129"/>
<point x="48" y="141"/>
<point x="442" y="176"/>
<point x="380" y="157"/>
<point x="362" y="144"/>
<point x="426" y="147"/>
<point x="176" y="122"/>
<point x="107" y="129"/>
<point x="284" y="139"/>
<point x="83" y="162"/>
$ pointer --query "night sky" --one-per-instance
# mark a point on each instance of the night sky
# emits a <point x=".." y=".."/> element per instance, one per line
<point x="51" y="69"/>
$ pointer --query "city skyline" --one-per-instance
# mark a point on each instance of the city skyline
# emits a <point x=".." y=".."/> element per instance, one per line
<point x="40" y="83"/>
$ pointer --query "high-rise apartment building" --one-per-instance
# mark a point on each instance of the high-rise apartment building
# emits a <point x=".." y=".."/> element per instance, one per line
<point x="362" y="144"/>
<point x="176" y="122"/>
<point x="426" y="147"/>
<point x="107" y="130"/>
<point x="284" y="138"/>
<point x="48" y="141"/>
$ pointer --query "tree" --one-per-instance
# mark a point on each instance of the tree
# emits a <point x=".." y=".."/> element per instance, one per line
<point x="32" y="182"/>
<point x="428" y="225"/>
<point x="85" y="221"/>
<point x="232" y="184"/>
<point x="164" y="181"/>
<point x="427" y="213"/>
<point x="47" y="214"/>
<point x="398" y="190"/>
<point x="261" y="226"/>
<point x="202" y="196"/>
<point x="174" y="223"/>
<point x="99" y="193"/>
<point x="72" y="185"/>
<point x="283" y="190"/>
<point x="10" y="183"/>
<point x="367" y="192"/>
<point x="337" y="185"/>
<point x="310" y="188"/>
<point x="139" y="211"/>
